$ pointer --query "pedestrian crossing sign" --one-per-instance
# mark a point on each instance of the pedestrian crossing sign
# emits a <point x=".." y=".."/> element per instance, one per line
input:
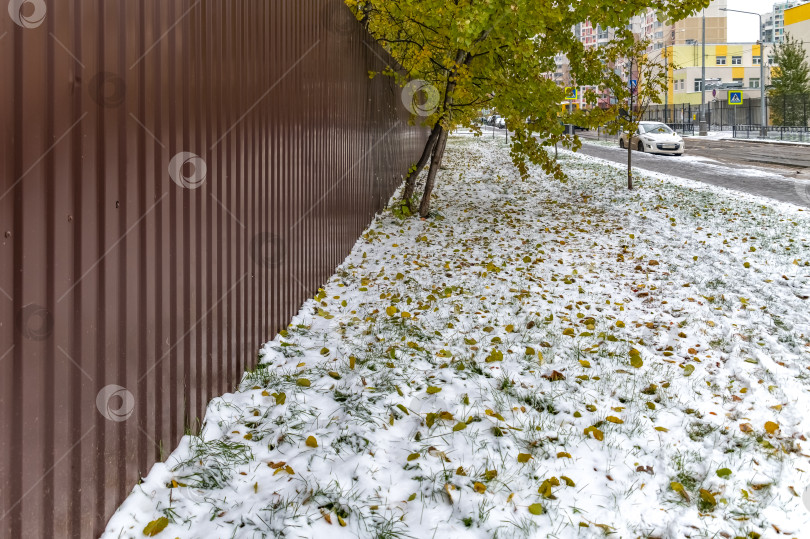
<point x="570" y="93"/>
<point x="735" y="97"/>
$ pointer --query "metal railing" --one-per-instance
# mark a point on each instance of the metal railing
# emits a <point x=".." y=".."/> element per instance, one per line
<point x="786" y="133"/>
<point x="782" y="111"/>
<point x="685" y="128"/>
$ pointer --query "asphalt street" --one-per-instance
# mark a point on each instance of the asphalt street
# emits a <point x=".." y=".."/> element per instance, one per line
<point x="777" y="171"/>
<point x="791" y="158"/>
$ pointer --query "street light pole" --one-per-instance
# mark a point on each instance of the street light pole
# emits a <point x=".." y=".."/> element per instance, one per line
<point x="763" y="129"/>
<point x="703" y="130"/>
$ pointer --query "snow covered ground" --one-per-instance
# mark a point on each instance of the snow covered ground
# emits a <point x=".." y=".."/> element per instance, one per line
<point x="538" y="359"/>
<point x="705" y="162"/>
<point x="713" y="135"/>
<point x="724" y="135"/>
<point x="789" y="141"/>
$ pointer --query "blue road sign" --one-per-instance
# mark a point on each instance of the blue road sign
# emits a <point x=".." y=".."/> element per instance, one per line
<point x="735" y="97"/>
<point x="633" y="85"/>
<point x="570" y="93"/>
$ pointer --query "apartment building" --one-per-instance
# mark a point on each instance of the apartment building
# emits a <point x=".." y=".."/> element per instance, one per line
<point x="679" y="42"/>
<point x="773" y="23"/>
<point x="690" y="30"/>
<point x="663" y="33"/>
<point x="797" y="24"/>
<point x="728" y="66"/>
<point x="586" y="34"/>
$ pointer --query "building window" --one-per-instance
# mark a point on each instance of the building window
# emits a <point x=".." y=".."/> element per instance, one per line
<point x="721" y="60"/>
<point x="698" y="85"/>
<point x="753" y="83"/>
<point x="757" y="60"/>
<point x="736" y="60"/>
<point x="770" y="61"/>
<point x="737" y="81"/>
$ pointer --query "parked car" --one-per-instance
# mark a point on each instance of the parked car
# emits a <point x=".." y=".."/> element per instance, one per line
<point x="654" y="137"/>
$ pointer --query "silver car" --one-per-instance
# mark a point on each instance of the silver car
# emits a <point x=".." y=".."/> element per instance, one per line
<point x="654" y="137"/>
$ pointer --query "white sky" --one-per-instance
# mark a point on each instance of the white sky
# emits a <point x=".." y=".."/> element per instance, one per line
<point x="745" y="28"/>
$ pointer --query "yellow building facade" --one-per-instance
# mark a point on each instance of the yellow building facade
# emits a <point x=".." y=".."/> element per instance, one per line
<point x="725" y="63"/>
<point x="797" y="24"/>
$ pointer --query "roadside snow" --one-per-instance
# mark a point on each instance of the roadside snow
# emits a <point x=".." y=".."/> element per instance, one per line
<point x="729" y="135"/>
<point x="537" y="359"/>
<point x="698" y="159"/>
<point x="775" y="141"/>
<point x="686" y="158"/>
<point x="610" y="143"/>
<point x="712" y="135"/>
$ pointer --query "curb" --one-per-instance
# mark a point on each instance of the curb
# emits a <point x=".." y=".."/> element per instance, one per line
<point x="776" y="142"/>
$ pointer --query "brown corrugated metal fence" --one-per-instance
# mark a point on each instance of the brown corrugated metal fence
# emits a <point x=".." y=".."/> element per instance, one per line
<point x="176" y="177"/>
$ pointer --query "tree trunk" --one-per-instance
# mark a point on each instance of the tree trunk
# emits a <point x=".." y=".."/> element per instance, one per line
<point x="633" y="127"/>
<point x="462" y="58"/>
<point x="435" y="163"/>
<point x="629" y="160"/>
<point x="410" y="180"/>
<point x="630" y="131"/>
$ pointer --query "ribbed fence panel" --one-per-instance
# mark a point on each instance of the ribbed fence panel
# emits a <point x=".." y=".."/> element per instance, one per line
<point x="176" y="178"/>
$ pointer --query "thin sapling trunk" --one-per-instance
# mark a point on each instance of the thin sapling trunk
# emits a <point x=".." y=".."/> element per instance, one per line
<point x="410" y="180"/>
<point x="435" y="163"/>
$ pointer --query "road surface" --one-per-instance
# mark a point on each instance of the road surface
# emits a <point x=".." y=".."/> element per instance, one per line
<point x="776" y="171"/>
<point x="787" y="157"/>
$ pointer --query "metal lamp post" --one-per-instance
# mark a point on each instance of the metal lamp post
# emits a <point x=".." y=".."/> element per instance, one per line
<point x="763" y="130"/>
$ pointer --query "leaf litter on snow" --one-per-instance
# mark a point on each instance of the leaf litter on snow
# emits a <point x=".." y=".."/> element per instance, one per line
<point x="536" y="358"/>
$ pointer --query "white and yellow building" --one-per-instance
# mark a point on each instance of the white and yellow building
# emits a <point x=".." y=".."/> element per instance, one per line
<point x="725" y="63"/>
<point x="774" y="24"/>
<point x="797" y="24"/>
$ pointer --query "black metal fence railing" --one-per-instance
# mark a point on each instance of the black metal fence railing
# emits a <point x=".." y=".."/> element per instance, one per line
<point x="683" y="128"/>
<point x="788" y="133"/>
<point x="780" y="111"/>
<point x="682" y="114"/>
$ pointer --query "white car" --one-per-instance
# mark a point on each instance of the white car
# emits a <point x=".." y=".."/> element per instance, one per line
<point x="654" y="137"/>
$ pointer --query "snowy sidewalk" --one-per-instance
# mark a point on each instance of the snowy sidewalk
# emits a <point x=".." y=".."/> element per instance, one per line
<point x="539" y="359"/>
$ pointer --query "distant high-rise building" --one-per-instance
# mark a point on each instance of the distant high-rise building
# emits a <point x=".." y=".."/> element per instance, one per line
<point x="797" y="24"/>
<point x="690" y="30"/>
<point x="683" y="37"/>
<point x="662" y="33"/>
<point x="773" y="23"/>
